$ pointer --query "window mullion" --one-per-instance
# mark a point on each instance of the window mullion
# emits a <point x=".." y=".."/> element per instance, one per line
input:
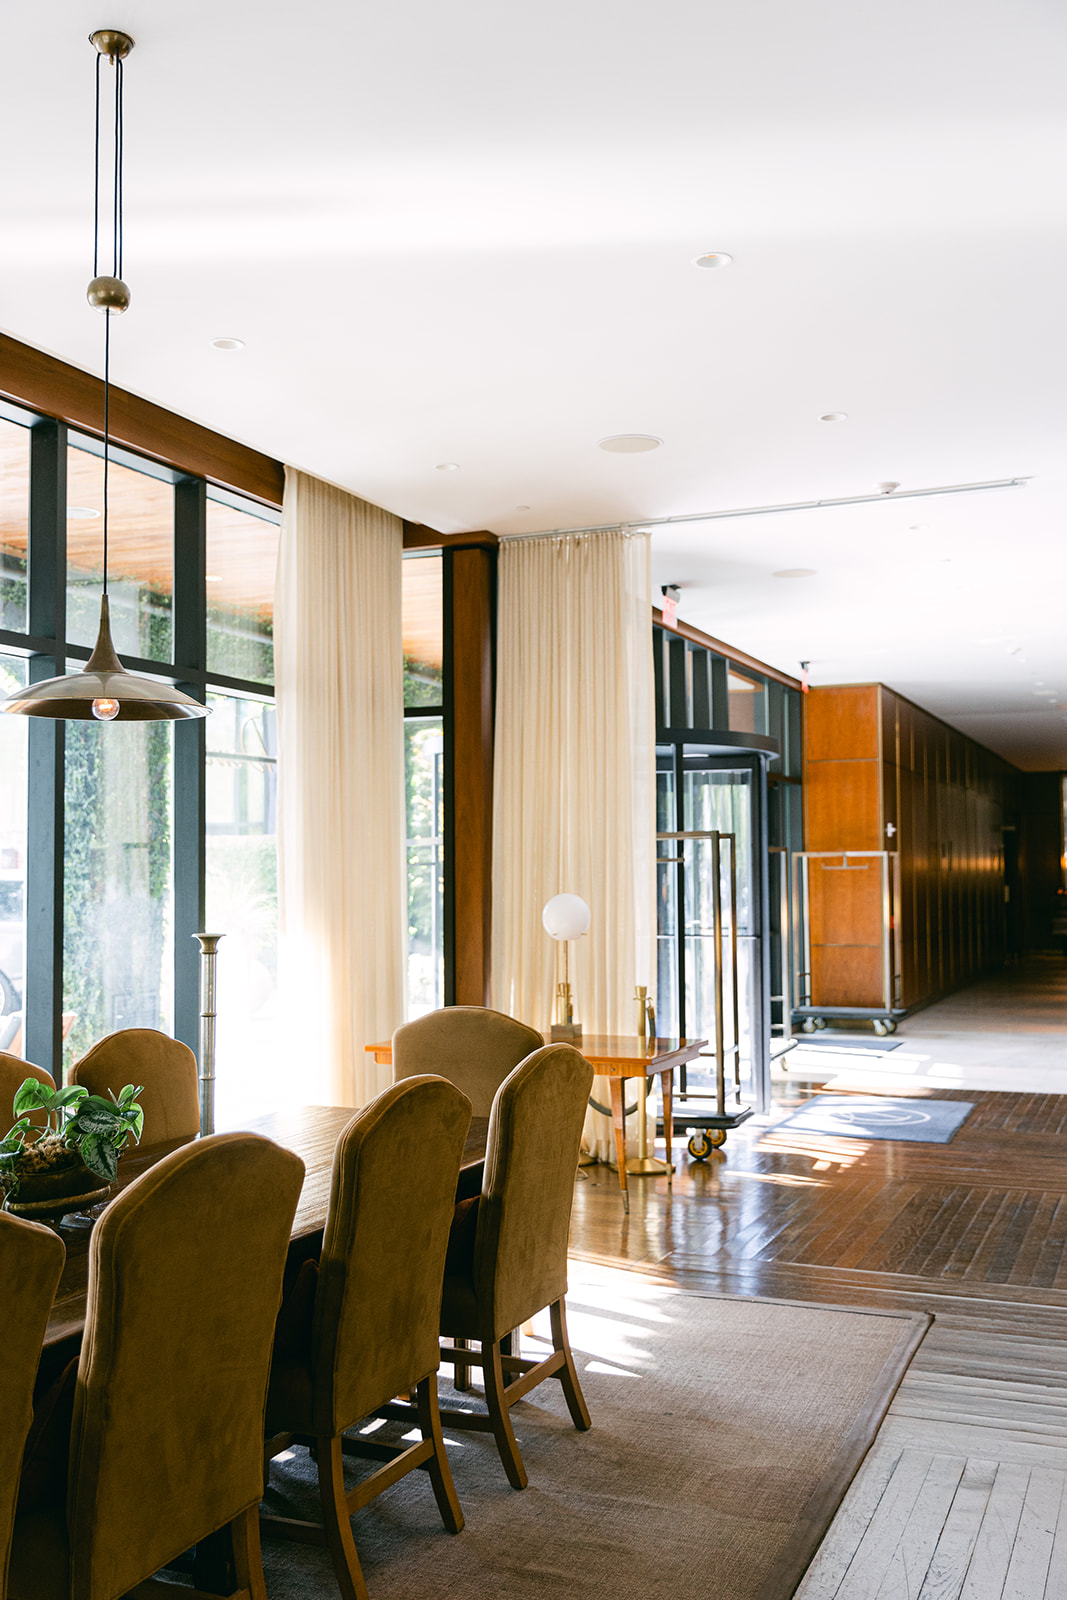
<point x="47" y="549"/>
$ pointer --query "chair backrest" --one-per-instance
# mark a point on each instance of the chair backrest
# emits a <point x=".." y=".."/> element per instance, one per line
<point x="166" y="1068"/>
<point x="185" y="1282"/>
<point x="470" y="1046"/>
<point x="31" y="1261"/>
<point x="378" y="1302"/>
<point x="13" y="1074"/>
<point x="535" y="1135"/>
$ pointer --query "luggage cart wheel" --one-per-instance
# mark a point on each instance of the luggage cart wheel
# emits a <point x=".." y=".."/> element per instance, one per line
<point x="703" y="1143"/>
<point x="808" y="1025"/>
<point x="820" y="1023"/>
<point x="879" y="1026"/>
<point x="890" y="1025"/>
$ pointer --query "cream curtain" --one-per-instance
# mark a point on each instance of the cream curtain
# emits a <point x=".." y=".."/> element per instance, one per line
<point x="339" y="673"/>
<point x="574" y="783"/>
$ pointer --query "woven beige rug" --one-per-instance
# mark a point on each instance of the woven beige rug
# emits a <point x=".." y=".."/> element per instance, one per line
<point x="725" y="1432"/>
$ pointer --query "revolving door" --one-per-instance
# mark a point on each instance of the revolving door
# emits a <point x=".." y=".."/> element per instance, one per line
<point x="713" y="922"/>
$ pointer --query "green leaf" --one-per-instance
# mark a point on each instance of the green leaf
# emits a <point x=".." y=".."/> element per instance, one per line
<point x="96" y="1102"/>
<point x="69" y="1096"/>
<point x="99" y="1156"/>
<point x="90" y="1119"/>
<point x="32" y="1095"/>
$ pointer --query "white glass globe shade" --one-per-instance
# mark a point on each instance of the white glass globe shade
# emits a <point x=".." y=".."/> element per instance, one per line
<point x="566" y="916"/>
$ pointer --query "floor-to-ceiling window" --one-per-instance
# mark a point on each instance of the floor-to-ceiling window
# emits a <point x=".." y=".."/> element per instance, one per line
<point x="424" y="744"/>
<point x="119" y="841"/>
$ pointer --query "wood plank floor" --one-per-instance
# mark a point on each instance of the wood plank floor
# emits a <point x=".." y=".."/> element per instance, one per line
<point x="964" y="1494"/>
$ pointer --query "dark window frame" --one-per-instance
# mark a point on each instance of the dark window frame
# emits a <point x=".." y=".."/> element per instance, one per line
<point x="47" y="651"/>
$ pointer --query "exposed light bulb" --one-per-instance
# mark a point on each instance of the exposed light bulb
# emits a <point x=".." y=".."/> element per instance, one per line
<point x="105" y="710"/>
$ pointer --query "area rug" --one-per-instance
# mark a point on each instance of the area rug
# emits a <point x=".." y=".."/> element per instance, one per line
<point x="857" y="1116"/>
<point x="725" y="1433"/>
<point x="846" y="1041"/>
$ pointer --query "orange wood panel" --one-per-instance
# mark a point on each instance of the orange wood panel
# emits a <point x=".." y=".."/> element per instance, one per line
<point x="846" y="975"/>
<point x="841" y="805"/>
<point x="841" y="723"/>
<point x="845" y="906"/>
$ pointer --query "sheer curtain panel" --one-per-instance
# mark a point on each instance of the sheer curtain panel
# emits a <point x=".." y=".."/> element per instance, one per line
<point x="340" y="787"/>
<point x="574" y="784"/>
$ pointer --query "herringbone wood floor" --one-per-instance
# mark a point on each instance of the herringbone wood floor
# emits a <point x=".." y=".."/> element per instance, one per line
<point x="965" y="1493"/>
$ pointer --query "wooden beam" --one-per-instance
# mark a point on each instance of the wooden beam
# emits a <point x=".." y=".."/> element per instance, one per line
<point x="53" y="388"/>
<point x="417" y="536"/>
<point x="740" y="657"/>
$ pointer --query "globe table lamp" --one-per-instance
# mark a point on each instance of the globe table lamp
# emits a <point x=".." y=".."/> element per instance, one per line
<point x="565" y="917"/>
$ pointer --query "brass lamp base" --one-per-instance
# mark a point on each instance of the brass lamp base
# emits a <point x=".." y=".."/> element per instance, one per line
<point x="647" y="1167"/>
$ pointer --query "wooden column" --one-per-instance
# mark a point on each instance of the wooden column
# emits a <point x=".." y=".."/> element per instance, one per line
<point x="469" y="607"/>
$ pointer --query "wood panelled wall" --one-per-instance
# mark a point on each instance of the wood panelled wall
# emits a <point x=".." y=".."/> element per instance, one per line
<point x="881" y="774"/>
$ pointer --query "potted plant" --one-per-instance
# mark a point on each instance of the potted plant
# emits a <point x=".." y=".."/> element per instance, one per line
<point x="75" y="1156"/>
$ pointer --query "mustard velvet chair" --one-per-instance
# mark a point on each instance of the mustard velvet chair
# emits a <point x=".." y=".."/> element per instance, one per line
<point x="377" y="1303"/>
<point x="166" y="1068"/>
<point x="31" y="1262"/>
<point x="166" y="1445"/>
<point x="472" y="1047"/>
<point x="13" y="1074"/>
<point x="517" y="1262"/>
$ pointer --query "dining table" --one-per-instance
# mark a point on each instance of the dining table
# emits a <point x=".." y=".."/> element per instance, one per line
<point x="311" y="1132"/>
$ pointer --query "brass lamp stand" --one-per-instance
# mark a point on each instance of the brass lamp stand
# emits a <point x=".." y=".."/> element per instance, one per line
<point x="645" y="1165"/>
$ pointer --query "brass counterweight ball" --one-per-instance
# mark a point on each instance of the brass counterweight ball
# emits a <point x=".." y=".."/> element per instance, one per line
<point x="108" y="294"/>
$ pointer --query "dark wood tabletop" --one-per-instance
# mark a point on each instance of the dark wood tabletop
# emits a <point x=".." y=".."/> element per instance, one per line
<point x="310" y="1131"/>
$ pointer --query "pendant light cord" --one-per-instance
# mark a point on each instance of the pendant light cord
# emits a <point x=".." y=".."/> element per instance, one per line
<point x="116" y="257"/>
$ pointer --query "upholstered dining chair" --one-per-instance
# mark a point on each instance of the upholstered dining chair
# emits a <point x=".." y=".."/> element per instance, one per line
<point x="13" y="1074"/>
<point x="472" y="1047"/>
<point x="370" y="1319"/>
<point x="165" y="1067"/>
<point x="508" y="1254"/>
<point x="31" y="1261"/>
<point x="166" y="1443"/>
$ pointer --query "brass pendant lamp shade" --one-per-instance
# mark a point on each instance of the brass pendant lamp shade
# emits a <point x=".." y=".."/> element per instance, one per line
<point x="103" y="690"/>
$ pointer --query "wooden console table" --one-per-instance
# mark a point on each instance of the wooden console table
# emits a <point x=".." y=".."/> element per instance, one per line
<point x="619" y="1058"/>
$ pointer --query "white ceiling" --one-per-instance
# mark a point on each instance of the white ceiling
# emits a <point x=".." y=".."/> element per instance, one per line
<point x="465" y="234"/>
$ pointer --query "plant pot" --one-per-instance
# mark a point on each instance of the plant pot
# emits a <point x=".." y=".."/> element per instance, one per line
<point x="54" y="1180"/>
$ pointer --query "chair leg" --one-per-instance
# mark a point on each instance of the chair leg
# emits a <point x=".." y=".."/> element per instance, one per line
<point x="338" y="1523"/>
<point x="440" y="1472"/>
<point x="503" y="1433"/>
<point x="461" y="1373"/>
<point x="568" y="1375"/>
<point x="247" y="1557"/>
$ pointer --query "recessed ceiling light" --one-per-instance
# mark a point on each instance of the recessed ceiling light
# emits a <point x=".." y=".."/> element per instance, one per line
<point x="81" y="513"/>
<point x="522" y="508"/>
<point x="796" y="572"/>
<point x="887" y="487"/>
<point x="627" y="444"/>
<point x="1045" y="694"/>
<point x="212" y="577"/>
<point x="227" y="344"/>
<point x="448" y="466"/>
<point x="713" y="260"/>
<point x="834" y="416"/>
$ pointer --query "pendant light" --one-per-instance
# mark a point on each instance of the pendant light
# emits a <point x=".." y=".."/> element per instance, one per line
<point x="104" y="690"/>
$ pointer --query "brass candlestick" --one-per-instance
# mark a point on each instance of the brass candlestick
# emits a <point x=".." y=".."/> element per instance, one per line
<point x="209" y="945"/>
<point x="644" y="1165"/>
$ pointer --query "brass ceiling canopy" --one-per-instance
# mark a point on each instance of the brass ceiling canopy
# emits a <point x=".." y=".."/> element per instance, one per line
<point x="104" y="691"/>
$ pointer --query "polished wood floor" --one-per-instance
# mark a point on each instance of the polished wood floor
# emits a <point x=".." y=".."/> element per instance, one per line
<point x="965" y="1492"/>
